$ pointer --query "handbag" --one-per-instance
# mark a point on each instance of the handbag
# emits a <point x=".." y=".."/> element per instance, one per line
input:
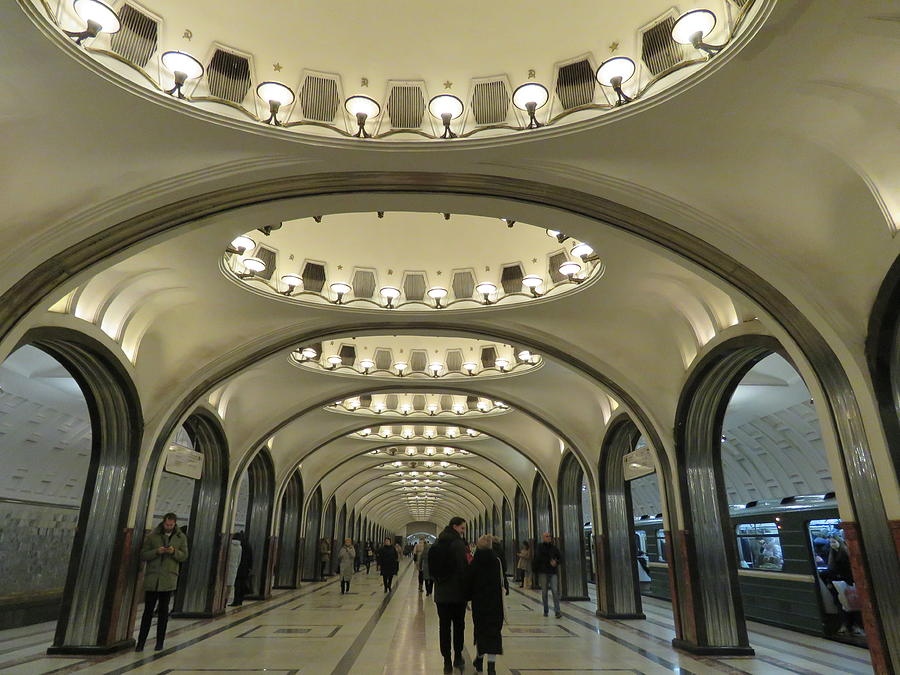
<point x="852" y="601"/>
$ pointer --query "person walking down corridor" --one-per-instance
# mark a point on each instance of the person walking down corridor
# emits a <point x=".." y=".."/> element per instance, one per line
<point x="164" y="549"/>
<point x="485" y="586"/>
<point x="346" y="558"/>
<point x="388" y="563"/>
<point x="546" y="566"/>
<point x="424" y="572"/>
<point x="447" y="565"/>
<point x="325" y="557"/>
<point x="523" y="563"/>
<point x="370" y="556"/>
<point x="234" y="561"/>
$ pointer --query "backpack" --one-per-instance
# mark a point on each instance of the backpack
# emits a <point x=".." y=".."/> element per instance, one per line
<point x="441" y="563"/>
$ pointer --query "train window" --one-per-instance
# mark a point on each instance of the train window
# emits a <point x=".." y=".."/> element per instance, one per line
<point x="819" y="531"/>
<point x="640" y="541"/>
<point x="661" y="546"/>
<point x="759" y="546"/>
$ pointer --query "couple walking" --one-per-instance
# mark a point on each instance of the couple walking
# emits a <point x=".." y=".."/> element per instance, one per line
<point x="457" y="582"/>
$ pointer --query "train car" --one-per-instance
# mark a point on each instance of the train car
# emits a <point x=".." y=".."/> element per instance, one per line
<point x="781" y="549"/>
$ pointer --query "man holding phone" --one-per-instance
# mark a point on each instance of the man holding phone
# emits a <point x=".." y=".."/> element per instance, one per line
<point x="164" y="549"/>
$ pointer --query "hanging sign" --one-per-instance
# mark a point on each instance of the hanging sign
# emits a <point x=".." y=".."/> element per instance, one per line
<point x="184" y="461"/>
<point x="639" y="463"/>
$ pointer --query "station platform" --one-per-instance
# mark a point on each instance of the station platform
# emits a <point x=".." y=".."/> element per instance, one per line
<point x="315" y="630"/>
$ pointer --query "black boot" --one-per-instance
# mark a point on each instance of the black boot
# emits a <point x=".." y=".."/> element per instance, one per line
<point x="459" y="662"/>
<point x="448" y="665"/>
<point x="159" y="646"/>
<point x="492" y="668"/>
<point x="478" y="662"/>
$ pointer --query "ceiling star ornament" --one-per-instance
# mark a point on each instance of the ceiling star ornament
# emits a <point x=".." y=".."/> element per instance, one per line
<point x="448" y="84"/>
<point x="364" y="82"/>
<point x="613" y="47"/>
<point x="187" y="35"/>
<point x="277" y="67"/>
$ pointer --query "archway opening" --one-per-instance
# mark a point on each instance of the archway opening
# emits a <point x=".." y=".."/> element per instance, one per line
<point x="311" y="570"/>
<point x="289" y="543"/>
<point x="258" y="489"/>
<point x="571" y="519"/>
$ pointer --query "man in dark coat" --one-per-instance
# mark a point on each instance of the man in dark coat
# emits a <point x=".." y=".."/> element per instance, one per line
<point x="546" y="565"/>
<point x="450" y="592"/>
<point x="244" y="570"/>
<point x="485" y="585"/>
<point x="388" y="563"/>
<point x="164" y="549"/>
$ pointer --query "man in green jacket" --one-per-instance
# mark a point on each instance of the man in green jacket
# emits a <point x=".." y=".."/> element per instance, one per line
<point x="164" y="549"/>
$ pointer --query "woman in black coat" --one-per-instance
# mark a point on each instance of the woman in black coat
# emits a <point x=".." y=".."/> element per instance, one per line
<point x="485" y="585"/>
<point x="388" y="562"/>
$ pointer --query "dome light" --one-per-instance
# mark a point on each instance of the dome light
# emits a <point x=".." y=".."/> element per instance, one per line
<point x="582" y="250"/>
<point x="436" y="368"/>
<point x="502" y="364"/>
<point x="437" y="293"/>
<point x="309" y="353"/>
<point x="340" y="289"/>
<point x="470" y="367"/>
<point x="486" y="289"/>
<point x="335" y="360"/>
<point x="691" y="27"/>
<point x="430" y="451"/>
<point x="429" y="433"/>
<point x="446" y="108"/>
<point x="452" y="432"/>
<point x="532" y="282"/>
<point x="449" y="452"/>
<point x="241" y="245"/>
<point x="366" y="365"/>
<point x="99" y="17"/>
<point x="378" y="407"/>
<point x="364" y="432"/>
<point x="471" y="432"/>
<point x="432" y="408"/>
<point x="400" y="366"/>
<point x="407" y="433"/>
<point x="570" y="269"/>
<point x="184" y="67"/>
<point x="556" y="234"/>
<point x="524" y="355"/>
<point x="411" y="452"/>
<point x="614" y="73"/>
<point x="292" y="281"/>
<point x="277" y="95"/>
<point x="253" y="265"/>
<point x="390" y="293"/>
<point x="406" y="408"/>
<point x="529" y="97"/>
<point x="459" y="408"/>
<point x="384" y="433"/>
<point x="362" y="108"/>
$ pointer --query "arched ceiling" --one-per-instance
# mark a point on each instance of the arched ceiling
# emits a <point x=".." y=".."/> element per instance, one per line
<point x="780" y="188"/>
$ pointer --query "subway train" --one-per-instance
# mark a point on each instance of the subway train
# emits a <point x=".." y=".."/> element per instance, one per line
<point x="781" y="549"/>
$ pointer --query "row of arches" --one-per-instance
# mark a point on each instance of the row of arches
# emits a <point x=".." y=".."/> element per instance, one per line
<point x="708" y="564"/>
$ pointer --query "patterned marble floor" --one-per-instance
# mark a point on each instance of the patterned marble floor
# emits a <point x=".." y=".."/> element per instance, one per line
<point x="315" y="630"/>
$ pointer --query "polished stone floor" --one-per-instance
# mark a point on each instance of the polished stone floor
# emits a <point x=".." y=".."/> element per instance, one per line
<point x="315" y="630"/>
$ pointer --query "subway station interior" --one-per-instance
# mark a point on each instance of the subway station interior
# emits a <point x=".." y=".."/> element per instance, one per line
<point x="622" y="272"/>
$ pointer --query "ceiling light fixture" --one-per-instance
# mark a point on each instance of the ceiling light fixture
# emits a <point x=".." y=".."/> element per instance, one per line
<point x="556" y="234"/>
<point x="524" y="355"/>
<point x="362" y="108"/>
<point x="502" y="364"/>
<point x="437" y="293"/>
<point x="390" y="293"/>
<point x="254" y="267"/>
<point x="364" y="432"/>
<point x="614" y="73"/>
<point x="435" y="368"/>
<point x="99" y="17"/>
<point x="240" y="245"/>
<point x="470" y="367"/>
<point x="471" y="432"/>
<point x="446" y="108"/>
<point x="691" y="27"/>
<point x="532" y="282"/>
<point x="184" y="67"/>
<point x="366" y="365"/>
<point x="400" y="366"/>
<point x="530" y="97"/>
<point x="277" y="95"/>
<point x="292" y="281"/>
<point x="340" y="289"/>
<point x="570" y="269"/>
<point x="583" y="251"/>
<point x="432" y="408"/>
<point x="335" y="361"/>
<point x="406" y="408"/>
<point x="309" y="353"/>
<point x="486" y="288"/>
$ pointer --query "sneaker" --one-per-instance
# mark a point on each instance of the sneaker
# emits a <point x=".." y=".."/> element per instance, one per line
<point x="559" y="615"/>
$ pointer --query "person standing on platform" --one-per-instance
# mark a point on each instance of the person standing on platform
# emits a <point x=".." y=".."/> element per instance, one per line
<point x="422" y="566"/>
<point x="325" y="556"/>
<point x="244" y="571"/>
<point x="546" y="565"/>
<point x="370" y="556"/>
<point x="346" y="558"/>
<point x="388" y="563"/>
<point x="164" y="549"/>
<point x="234" y="560"/>
<point x="485" y="586"/>
<point x="523" y="563"/>
<point x="447" y="565"/>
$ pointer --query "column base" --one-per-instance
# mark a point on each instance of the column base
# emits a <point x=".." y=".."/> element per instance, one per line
<point x="621" y="615"/>
<point x="196" y="615"/>
<point x="92" y="649"/>
<point x="709" y="650"/>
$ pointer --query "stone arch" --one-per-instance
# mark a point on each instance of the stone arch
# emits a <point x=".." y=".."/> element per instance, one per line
<point x="327" y="533"/>
<point x="509" y="538"/>
<point x="96" y="595"/>
<point x="261" y="477"/>
<point x="523" y="522"/>
<point x="203" y="574"/>
<point x="573" y="575"/>
<point x="311" y="536"/>
<point x="338" y="539"/>
<point x="618" y="592"/>
<point x="287" y="572"/>
<point x="541" y="508"/>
